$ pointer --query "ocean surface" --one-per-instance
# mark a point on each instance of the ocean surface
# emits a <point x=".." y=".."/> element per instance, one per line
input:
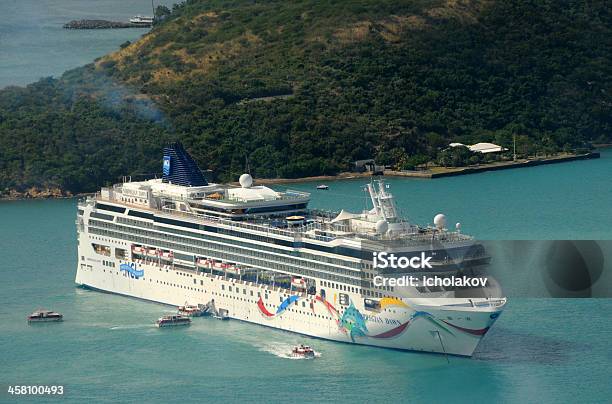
<point x="33" y="43"/>
<point x="540" y="350"/>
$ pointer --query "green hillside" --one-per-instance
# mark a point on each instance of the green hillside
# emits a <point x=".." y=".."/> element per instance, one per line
<point x="305" y="87"/>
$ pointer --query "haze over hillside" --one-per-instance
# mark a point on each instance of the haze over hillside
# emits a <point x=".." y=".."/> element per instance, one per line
<point x="304" y="88"/>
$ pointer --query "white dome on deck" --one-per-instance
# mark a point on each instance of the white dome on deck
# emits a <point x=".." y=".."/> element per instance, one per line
<point x="440" y="221"/>
<point x="382" y="226"/>
<point x="246" y="181"/>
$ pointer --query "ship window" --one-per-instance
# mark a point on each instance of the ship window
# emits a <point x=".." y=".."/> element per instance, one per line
<point x="230" y="288"/>
<point x="101" y="249"/>
<point x="195" y="281"/>
<point x="101" y="216"/>
<point x="222" y="287"/>
<point x="244" y="291"/>
<point x="109" y="207"/>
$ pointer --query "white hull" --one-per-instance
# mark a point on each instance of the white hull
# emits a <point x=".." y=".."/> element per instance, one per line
<point x="45" y="320"/>
<point x="172" y="325"/>
<point x="399" y="325"/>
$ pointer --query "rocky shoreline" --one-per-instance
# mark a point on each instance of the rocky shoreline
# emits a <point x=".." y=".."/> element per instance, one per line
<point x="36" y="193"/>
<point x="57" y="193"/>
<point x="100" y="24"/>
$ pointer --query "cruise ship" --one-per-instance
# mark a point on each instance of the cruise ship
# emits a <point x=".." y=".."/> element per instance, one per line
<point x="262" y="256"/>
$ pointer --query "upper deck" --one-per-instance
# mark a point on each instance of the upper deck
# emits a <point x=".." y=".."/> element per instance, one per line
<point x="184" y="192"/>
<point x="324" y="226"/>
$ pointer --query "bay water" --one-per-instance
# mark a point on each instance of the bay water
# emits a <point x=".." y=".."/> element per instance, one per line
<point x="33" y="43"/>
<point x="540" y="350"/>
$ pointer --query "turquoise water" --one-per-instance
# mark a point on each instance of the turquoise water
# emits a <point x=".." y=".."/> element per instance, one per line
<point x="33" y="43"/>
<point x="541" y="350"/>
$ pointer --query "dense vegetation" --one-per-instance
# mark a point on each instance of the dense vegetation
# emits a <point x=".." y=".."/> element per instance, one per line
<point x="305" y="87"/>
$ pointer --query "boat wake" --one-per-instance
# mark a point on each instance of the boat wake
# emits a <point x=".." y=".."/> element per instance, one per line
<point x="129" y="327"/>
<point x="283" y="351"/>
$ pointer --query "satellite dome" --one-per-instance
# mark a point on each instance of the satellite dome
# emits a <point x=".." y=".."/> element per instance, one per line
<point x="440" y="221"/>
<point x="246" y="181"/>
<point x="382" y="226"/>
<point x="458" y="226"/>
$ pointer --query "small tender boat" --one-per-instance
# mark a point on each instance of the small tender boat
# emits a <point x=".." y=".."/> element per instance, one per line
<point x="142" y="20"/>
<point x="298" y="283"/>
<point x="44" y="316"/>
<point x="172" y="321"/>
<point x="302" y="351"/>
<point x="169" y="255"/>
<point x="190" y="310"/>
<point x="322" y="187"/>
<point x="221" y="314"/>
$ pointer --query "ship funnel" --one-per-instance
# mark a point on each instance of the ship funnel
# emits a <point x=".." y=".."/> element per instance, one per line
<point x="180" y="168"/>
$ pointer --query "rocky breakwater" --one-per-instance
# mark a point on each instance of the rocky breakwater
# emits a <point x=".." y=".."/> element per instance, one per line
<point x="99" y="24"/>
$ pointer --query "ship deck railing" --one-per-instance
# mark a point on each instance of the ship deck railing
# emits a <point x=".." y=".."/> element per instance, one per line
<point x="305" y="231"/>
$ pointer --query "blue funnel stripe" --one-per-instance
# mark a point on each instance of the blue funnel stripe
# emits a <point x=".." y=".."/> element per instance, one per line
<point x="180" y="169"/>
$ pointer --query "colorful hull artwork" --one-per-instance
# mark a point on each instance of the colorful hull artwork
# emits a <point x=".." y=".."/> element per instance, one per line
<point x="286" y="303"/>
<point x="354" y="324"/>
<point x="131" y="269"/>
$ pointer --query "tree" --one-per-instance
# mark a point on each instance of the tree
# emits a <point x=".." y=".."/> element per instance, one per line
<point x="162" y="12"/>
<point x="458" y="156"/>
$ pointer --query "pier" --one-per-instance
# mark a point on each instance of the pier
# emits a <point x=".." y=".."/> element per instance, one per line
<point x="439" y="172"/>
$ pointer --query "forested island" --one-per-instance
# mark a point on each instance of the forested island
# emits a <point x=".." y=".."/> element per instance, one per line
<point x="306" y="88"/>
